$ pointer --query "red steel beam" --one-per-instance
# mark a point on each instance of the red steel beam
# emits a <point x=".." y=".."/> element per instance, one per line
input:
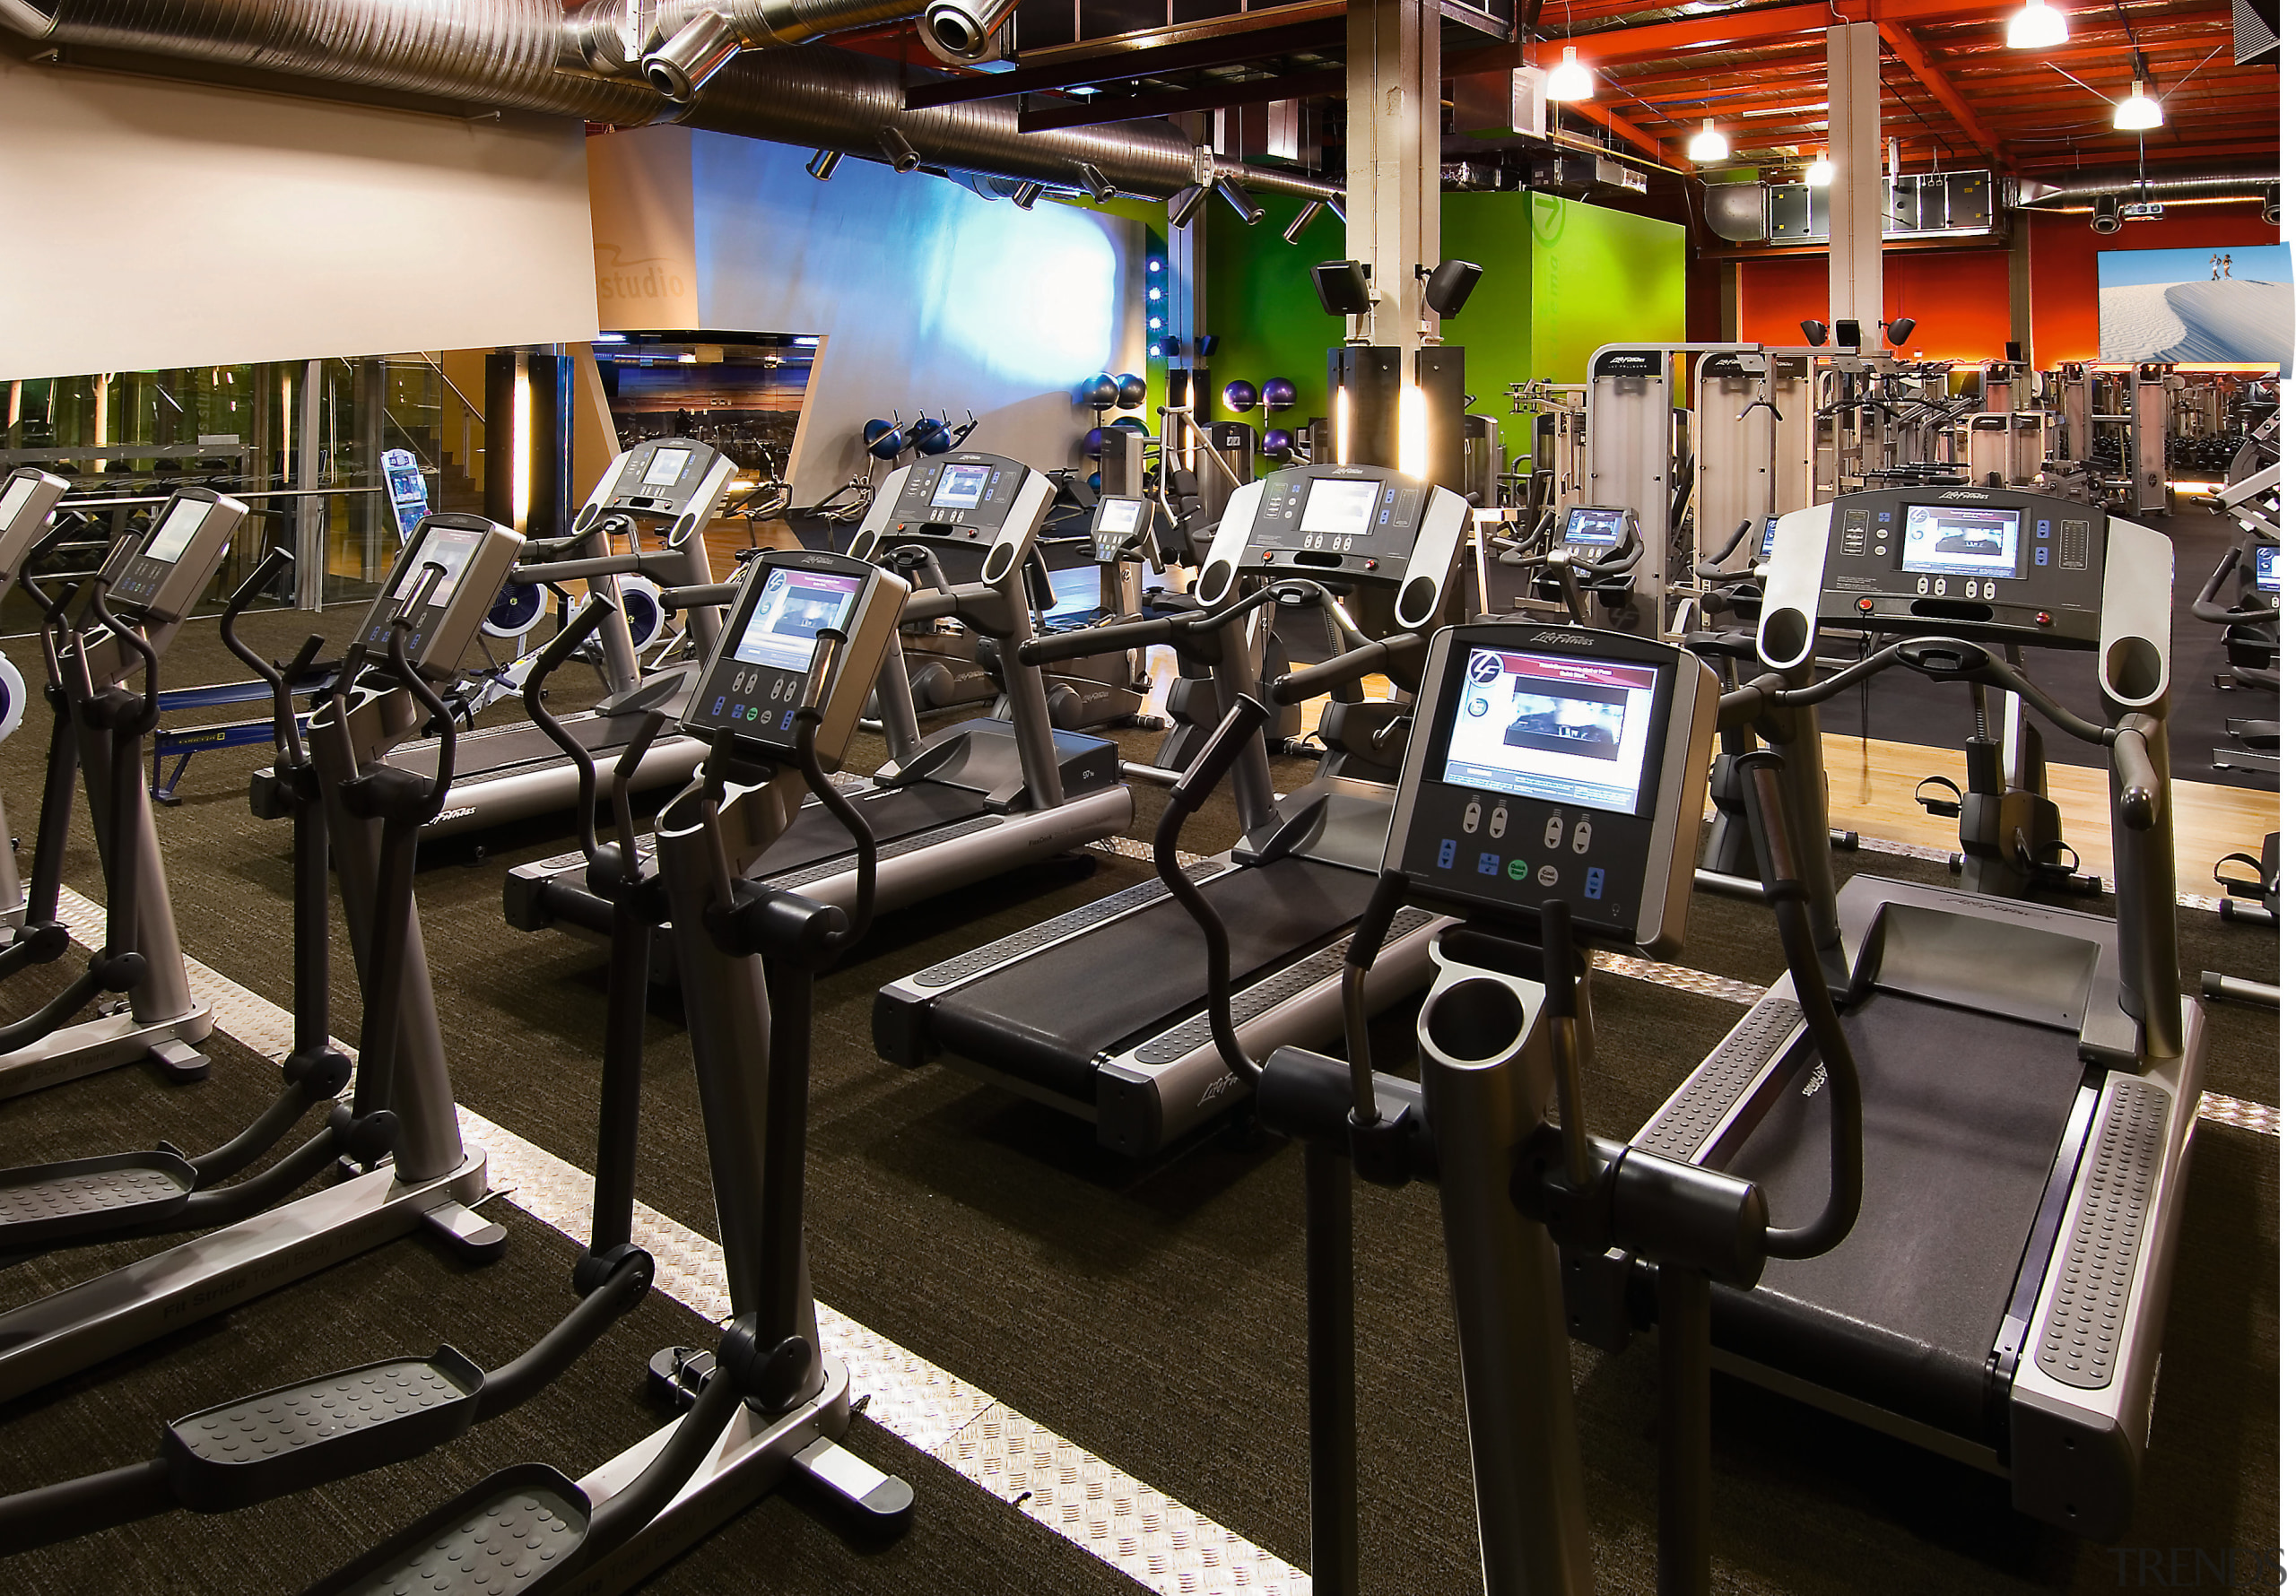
<point x="1908" y="48"/>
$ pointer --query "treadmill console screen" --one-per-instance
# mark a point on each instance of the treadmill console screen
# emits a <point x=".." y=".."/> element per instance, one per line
<point x="673" y="480"/>
<point x="476" y="555"/>
<point x="2268" y="565"/>
<point x="1768" y="537"/>
<point x="1339" y="508"/>
<point x="754" y="678"/>
<point x="1957" y="541"/>
<point x="1590" y="526"/>
<point x="13" y="500"/>
<point x="1541" y="725"/>
<point x="183" y="520"/>
<point x="961" y="487"/>
<point x="1988" y="564"/>
<point x="1116" y="522"/>
<point x="1557" y="763"/>
<point x="666" y="466"/>
<point x="161" y="576"/>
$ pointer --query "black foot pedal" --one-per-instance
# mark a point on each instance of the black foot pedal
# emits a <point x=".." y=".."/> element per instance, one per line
<point x="320" y="1430"/>
<point x="515" y="1532"/>
<point x="179" y="1062"/>
<point x="45" y="1205"/>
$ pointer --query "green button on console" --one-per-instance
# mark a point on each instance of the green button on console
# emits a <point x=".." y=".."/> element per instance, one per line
<point x="1516" y="870"/>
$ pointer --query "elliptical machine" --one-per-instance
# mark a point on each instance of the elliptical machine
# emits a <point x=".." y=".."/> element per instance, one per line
<point x="1509" y="1026"/>
<point x="770" y="1400"/>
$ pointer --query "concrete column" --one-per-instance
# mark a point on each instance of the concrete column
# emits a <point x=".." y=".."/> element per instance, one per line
<point x="2020" y="285"/>
<point x="1394" y="146"/>
<point x="1859" y="199"/>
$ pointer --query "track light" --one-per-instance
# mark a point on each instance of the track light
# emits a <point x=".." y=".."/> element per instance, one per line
<point x="1192" y="206"/>
<point x="1338" y="208"/>
<point x="1025" y="195"/>
<point x="1708" y="144"/>
<point x="1820" y="172"/>
<point x="1246" y="207"/>
<point x="691" y="56"/>
<point x="2037" y="27"/>
<point x="898" y="150"/>
<point x="1298" y="225"/>
<point x="1569" y="80"/>
<point x="2272" y="204"/>
<point x="2139" y="113"/>
<point x="2105" y="218"/>
<point x="1095" y="182"/>
<point x="823" y="166"/>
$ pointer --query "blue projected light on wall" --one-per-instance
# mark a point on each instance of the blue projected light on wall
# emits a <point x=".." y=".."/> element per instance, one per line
<point x="1031" y="295"/>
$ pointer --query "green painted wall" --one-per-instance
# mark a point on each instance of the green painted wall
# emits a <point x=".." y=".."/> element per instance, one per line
<point x="1559" y="279"/>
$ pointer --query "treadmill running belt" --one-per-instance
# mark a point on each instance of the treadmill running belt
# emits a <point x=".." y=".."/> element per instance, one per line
<point x="890" y="814"/>
<point x="1963" y="1113"/>
<point x="1047" y="1019"/>
<point x="495" y="751"/>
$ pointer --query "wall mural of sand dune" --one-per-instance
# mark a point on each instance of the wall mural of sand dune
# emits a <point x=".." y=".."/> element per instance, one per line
<point x="2197" y="306"/>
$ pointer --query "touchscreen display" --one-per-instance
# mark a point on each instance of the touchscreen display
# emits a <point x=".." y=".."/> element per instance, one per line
<point x="1594" y="529"/>
<point x="1339" y="507"/>
<point x="793" y="607"/>
<point x="175" y="534"/>
<point x="961" y="487"/>
<point x="666" y="466"/>
<point x="1568" y="730"/>
<point x="449" y="546"/>
<point x="1120" y="516"/>
<point x="14" y="498"/>
<point x="2267" y="567"/>
<point x="1768" y="537"/>
<point x="1952" y="541"/>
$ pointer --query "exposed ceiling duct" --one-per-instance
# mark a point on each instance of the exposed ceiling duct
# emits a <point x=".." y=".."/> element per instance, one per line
<point x="2081" y="190"/>
<point x="530" y="56"/>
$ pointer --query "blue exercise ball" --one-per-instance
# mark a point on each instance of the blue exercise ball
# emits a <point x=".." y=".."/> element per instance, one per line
<point x="1276" y="444"/>
<point x="1239" y="396"/>
<point x="1279" y="392"/>
<point x="1092" y="442"/>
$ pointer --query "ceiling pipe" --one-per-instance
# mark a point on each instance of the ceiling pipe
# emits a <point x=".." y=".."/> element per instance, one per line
<point x="2080" y="190"/>
<point x="530" y="56"/>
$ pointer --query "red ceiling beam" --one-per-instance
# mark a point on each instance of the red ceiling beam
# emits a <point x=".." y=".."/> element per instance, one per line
<point x="1908" y="48"/>
<point x="1628" y="131"/>
<point x="1764" y="24"/>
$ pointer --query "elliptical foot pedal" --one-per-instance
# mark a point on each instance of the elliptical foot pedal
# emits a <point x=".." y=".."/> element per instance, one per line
<point x="879" y="1503"/>
<point x="45" y="1205"/>
<point x="315" y="1431"/>
<point x="470" y="1238"/>
<point x="517" y="1531"/>
<point x="179" y="1062"/>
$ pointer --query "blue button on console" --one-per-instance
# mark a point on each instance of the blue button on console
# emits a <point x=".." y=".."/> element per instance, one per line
<point x="1593" y="886"/>
<point x="1486" y="864"/>
<point x="1446" y="852"/>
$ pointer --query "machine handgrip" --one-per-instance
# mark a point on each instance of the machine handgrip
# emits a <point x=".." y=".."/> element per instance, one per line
<point x="1295" y="687"/>
<point x="1711" y="569"/>
<point x="1101" y="639"/>
<point x="283" y="704"/>
<point x="2139" y="797"/>
<point x="571" y="637"/>
<point x="697" y="597"/>
<point x="148" y="712"/>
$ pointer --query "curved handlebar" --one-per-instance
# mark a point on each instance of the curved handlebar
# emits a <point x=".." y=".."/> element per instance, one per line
<point x="571" y="637"/>
<point x="2206" y="608"/>
<point x="1137" y="634"/>
<point x="287" y="740"/>
<point x="1296" y="687"/>
<point x="147" y="714"/>
<point x="1711" y="569"/>
<point x="442" y="779"/>
<point x="2131" y="755"/>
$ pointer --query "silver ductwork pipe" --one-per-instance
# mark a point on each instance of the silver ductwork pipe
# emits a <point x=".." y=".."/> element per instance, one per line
<point x="693" y="39"/>
<point x="530" y="56"/>
<point x="2081" y="190"/>
<point x="963" y="31"/>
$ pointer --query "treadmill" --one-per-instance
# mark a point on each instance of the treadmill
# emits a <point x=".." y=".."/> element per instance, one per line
<point x="977" y="799"/>
<point x="1094" y="1012"/>
<point x="2031" y="1075"/>
<point x="665" y="488"/>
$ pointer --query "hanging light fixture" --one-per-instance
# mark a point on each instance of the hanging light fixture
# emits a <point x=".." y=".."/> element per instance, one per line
<point x="1570" y="80"/>
<point x="2139" y="113"/>
<point x="1820" y="172"/>
<point x="2037" y="27"/>
<point x="1708" y="144"/>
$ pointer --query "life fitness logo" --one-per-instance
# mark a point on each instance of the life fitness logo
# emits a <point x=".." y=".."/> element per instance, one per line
<point x="1964" y="493"/>
<point x="1561" y="640"/>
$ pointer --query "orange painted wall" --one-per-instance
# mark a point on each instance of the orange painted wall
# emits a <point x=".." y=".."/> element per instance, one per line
<point x="1960" y="299"/>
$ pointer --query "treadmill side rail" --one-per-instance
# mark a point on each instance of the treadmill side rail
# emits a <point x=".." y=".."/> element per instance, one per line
<point x="2082" y="1401"/>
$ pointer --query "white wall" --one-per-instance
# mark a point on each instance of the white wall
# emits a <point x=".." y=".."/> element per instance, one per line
<point x="153" y="224"/>
<point x="924" y="294"/>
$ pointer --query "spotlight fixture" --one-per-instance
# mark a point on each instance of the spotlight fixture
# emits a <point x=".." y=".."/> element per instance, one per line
<point x="1708" y="144"/>
<point x="691" y="56"/>
<point x="1899" y="331"/>
<point x="2272" y="204"/>
<point x="1191" y="207"/>
<point x="898" y="152"/>
<point x="1448" y="286"/>
<point x="824" y="164"/>
<point x="1569" y="80"/>
<point x="1815" y="332"/>
<point x="1820" y="172"/>
<point x="1245" y="205"/>
<point x="1025" y="195"/>
<point x="1096" y="182"/>
<point x="2037" y="27"/>
<point x="1298" y="225"/>
<point x="2105" y="218"/>
<point x="2139" y="113"/>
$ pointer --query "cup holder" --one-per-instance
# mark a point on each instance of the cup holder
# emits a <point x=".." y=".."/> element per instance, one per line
<point x="1477" y="1019"/>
